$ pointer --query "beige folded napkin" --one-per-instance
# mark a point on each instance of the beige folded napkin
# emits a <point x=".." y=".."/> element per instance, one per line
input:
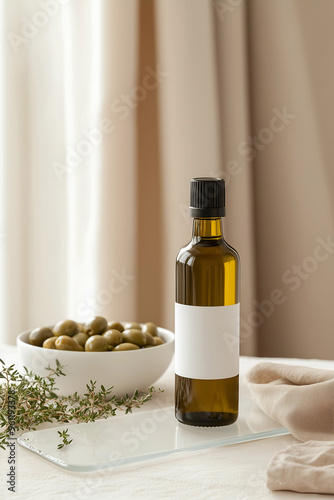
<point x="302" y="400"/>
<point x="298" y="397"/>
<point x="306" y="468"/>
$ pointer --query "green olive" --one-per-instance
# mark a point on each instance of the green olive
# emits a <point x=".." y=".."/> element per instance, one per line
<point x="132" y="325"/>
<point x="115" y="325"/>
<point x="96" y="326"/>
<point x="50" y="343"/>
<point x="113" y="337"/>
<point x="134" y="337"/>
<point x="38" y="335"/>
<point x="127" y="346"/>
<point x="66" y="327"/>
<point x="66" y="343"/>
<point x="81" y="338"/>
<point x="150" y="328"/>
<point x="149" y="339"/>
<point x="96" y="343"/>
<point x="96" y="335"/>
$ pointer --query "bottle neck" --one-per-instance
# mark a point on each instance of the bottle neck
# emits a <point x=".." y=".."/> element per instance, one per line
<point x="211" y="228"/>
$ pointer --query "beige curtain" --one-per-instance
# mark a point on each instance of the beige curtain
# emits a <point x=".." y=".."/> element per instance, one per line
<point x="291" y="67"/>
<point x="111" y="106"/>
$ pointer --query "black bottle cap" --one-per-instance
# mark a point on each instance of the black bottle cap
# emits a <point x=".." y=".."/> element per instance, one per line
<point x="207" y="197"/>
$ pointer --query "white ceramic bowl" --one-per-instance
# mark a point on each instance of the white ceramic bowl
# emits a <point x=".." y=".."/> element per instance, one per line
<point x="125" y="370"/>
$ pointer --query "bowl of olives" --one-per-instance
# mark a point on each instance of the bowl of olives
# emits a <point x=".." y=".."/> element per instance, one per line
<point x="125" y="355"/>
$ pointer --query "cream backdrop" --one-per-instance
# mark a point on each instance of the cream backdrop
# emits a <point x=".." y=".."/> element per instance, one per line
<point x="109" y="107"/>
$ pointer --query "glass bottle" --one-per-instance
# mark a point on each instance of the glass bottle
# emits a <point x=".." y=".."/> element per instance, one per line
<point x="207" y="315"/>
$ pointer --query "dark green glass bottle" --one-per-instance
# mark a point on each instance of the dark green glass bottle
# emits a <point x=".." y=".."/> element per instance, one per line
<point x="207" y="315"/>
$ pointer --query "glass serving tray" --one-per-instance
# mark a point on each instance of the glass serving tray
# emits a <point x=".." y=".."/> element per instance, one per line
<point x="142" y="436"/>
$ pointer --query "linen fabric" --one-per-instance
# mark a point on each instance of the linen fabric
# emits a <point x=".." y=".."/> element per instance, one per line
<point x="306" y="468"/>
<point x="301" y="399"/>
<point x="298" y="397"/>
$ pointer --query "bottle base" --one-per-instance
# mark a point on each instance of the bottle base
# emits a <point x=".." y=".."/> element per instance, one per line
<point x="206" y="419"/>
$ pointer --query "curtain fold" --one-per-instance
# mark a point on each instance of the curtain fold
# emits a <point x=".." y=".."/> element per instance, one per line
<point x="33" y="275"/>
<point x="231" y="33"/>
<point x="189" y="120"/>
<point x="100" y="180"/>
<point x="150" y="244"/>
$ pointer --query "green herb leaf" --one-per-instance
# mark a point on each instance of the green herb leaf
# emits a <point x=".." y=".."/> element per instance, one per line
<point x="36" y="402"/>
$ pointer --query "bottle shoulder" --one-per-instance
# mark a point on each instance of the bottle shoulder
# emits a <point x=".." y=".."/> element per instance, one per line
<point x="233" y="251"/>
<point x="205" y="251"/>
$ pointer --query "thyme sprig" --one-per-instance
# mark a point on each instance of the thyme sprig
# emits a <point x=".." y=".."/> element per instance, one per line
<point x="36" y="402"/>
<point x="64" y="435"/>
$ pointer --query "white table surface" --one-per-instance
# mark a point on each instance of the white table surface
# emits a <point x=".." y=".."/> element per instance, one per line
<point x="228" y="472"/>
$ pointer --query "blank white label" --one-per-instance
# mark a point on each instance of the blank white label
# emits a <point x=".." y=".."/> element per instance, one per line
<point x="207" y="341"/>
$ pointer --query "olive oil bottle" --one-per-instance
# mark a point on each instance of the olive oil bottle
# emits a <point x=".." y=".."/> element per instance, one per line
<point x="207" y="314"/>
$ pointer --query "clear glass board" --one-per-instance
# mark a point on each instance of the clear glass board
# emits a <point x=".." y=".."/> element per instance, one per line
<point x="142" y="436"/>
